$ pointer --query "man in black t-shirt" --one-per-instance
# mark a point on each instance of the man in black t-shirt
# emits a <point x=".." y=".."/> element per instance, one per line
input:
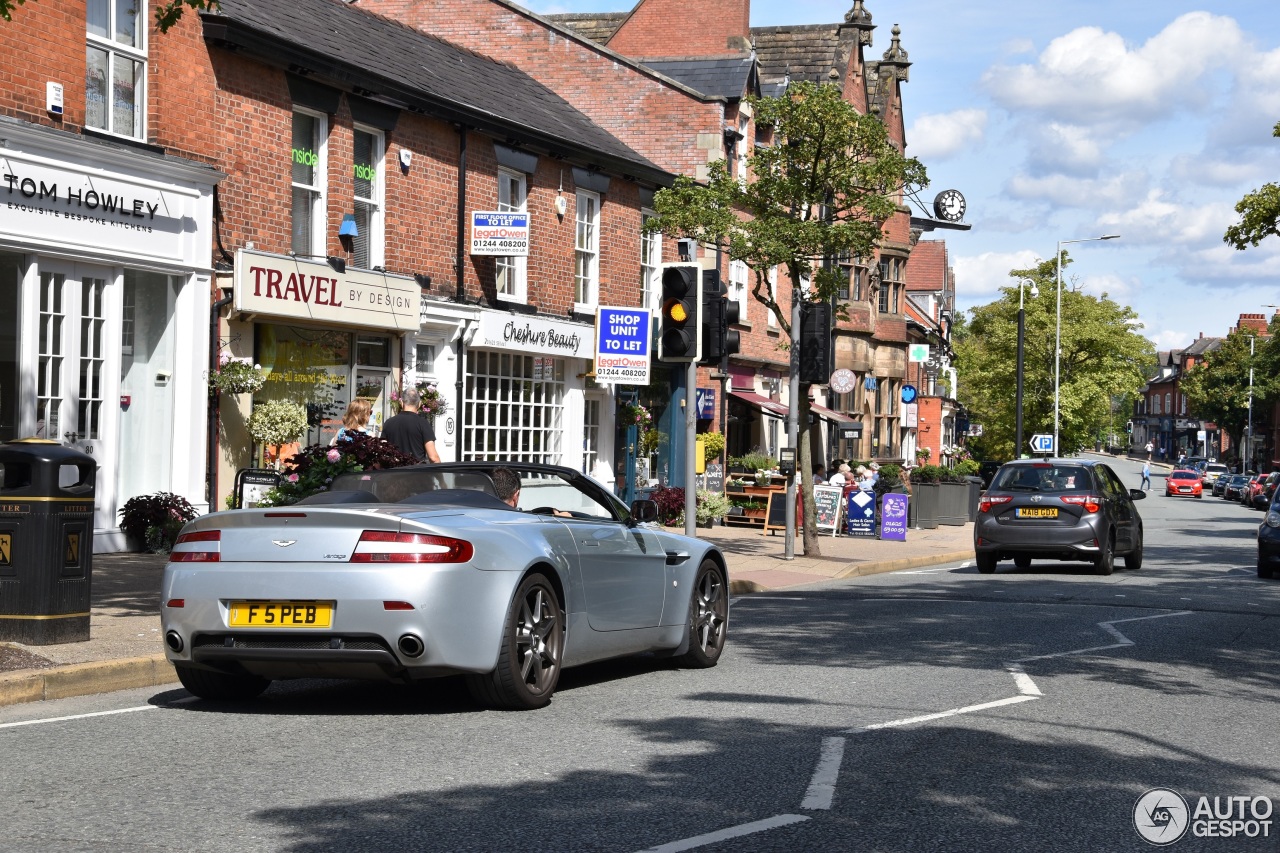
<point x="409" y="431"/>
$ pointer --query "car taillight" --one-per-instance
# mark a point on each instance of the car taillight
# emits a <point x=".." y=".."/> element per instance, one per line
<point x="384" y="546"/>
<point x="1091" y="503"/>
<point x="200" y="546"/>
<point x="985" y="503"/>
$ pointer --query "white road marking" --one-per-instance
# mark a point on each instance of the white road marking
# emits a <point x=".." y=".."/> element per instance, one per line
<point x="78" y="716"/>
<point x="725" y="834"/>
<point x="1026" y="686"/>
<point x="822" y="787"/>
<point x="968" y="709"/>
<point x="1110" y="628"/>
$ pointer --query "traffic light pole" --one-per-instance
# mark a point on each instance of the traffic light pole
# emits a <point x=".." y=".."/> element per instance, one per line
<point x="793" y="425"/>
<point x="690" y="450"/>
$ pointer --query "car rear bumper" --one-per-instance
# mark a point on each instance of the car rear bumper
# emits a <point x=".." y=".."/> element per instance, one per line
<point x="1078" y="542"/>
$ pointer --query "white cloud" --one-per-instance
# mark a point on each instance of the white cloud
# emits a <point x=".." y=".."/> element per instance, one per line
<point x="1171" y="339"/>
<point x="941" y="135"/>
<point x="1064" y="147"/>
<point x="983" y="275"/>
<point x="1068" y="191"/>
<point x="1116" y="288"/>
<point x="1091" y="77"/>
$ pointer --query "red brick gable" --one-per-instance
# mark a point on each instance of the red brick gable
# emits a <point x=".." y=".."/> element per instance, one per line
<point x="678" y="28"/>
<point x="927" y="266"/>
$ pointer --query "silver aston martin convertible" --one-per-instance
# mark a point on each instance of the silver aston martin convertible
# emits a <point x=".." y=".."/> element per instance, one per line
<point x="426" y="571"/>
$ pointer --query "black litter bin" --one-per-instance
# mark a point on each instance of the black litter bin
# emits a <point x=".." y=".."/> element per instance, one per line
<point x="46" y="542"/>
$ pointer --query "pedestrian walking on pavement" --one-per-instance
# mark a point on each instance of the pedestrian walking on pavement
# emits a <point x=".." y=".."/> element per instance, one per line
<point x="1146" y="476"/>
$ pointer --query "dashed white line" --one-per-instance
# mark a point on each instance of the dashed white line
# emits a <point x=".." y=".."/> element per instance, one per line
<point x="78" y="716"/>
<point x="822" y="787"/>
<point x="1026" y="686"/>
<point x="725" y="834"/>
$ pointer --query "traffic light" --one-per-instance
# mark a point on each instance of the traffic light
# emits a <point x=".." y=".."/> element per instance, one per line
<point x="718" y="314"/>
<point x="815" y="342"/>
<point x="680" y="319"/>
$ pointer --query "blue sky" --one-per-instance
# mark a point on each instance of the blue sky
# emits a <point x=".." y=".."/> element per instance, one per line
<point x="1070" y="120"/>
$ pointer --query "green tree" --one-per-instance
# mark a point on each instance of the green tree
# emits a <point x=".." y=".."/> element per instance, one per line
<point x="824" y="190"/>
<point x="1103" y="356"/>
<point x="1217" y="389"/>
<point x="167" y="14"/>
<point x="1259" y="214"/>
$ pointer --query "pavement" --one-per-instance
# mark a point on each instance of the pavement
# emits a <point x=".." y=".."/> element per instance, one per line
<point x="125" y="647"/>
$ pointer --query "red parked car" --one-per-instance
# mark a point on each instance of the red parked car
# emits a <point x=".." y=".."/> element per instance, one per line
<point x="1183" y="482"/>
<point x="1252" y="489"/>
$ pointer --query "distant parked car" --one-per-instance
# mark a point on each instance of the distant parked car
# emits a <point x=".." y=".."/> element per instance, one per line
<point x="1251" y="488"/>
<point x="1183" y="482"/>
<point x="1220" y="485"/>
<point x="1212" y="471"/>
<point x="1234" y="485"/>
<point x="1262" y="497"/>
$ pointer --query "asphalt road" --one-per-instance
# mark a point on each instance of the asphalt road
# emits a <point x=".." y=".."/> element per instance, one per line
<point x="937" y="709"/>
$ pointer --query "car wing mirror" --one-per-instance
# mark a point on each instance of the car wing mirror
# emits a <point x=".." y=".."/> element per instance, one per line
<point x="1137" y="494"/>
<point x="644" y="510"/>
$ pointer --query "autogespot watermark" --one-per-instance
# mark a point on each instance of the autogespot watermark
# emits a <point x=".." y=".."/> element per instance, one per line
<point x="1162" y="817"/>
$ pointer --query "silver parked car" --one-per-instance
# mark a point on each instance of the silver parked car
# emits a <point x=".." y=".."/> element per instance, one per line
<point x="419" y="572"/>
<point x="1059" y="509"/>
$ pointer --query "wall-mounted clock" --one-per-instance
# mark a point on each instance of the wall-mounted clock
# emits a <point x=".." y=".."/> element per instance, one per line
<point x="949" y="205"/>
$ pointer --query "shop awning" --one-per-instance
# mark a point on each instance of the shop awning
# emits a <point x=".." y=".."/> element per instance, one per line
<point x="761" y="404"/>
<point x="837" y="418"/>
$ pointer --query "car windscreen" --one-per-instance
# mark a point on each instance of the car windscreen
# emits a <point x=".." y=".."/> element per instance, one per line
<point x="1184" y="475"/>
<point x="1043" y="478"/>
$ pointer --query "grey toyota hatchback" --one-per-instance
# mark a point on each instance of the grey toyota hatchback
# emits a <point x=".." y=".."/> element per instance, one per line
<point x="1058" y="509"/>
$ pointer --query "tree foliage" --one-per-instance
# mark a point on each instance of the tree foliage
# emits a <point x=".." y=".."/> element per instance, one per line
<point x="823" y="190"/>
<point x="167" y="13"/>
<point x="1103" y="357"/>
<point x="1259" y="214"/>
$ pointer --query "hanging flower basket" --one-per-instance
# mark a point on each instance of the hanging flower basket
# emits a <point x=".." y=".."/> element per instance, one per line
<point x="634" y="414"/>
<point x="236" y="377"/>
<point x="433" y="402"/>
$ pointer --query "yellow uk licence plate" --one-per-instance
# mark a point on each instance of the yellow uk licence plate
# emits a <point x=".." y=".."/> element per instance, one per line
<point x="1036" y="512"/>
<point x="280" y="614"/>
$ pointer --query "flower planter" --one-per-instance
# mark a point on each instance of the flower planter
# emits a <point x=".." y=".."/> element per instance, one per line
<point x="926" y="497"/>
<point x="953" y="504"/>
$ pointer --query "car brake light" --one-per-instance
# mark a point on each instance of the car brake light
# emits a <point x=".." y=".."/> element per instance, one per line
<point x="200" y="546"/>
<point x="1091" y="503"/>
<point x="385" y="546"/>
<point x="985" y="503"/>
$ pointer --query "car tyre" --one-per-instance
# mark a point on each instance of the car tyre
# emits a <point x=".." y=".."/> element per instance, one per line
<point x="1022" y="562"/>
<point x="1105" y="562"/>
<point x="1133" y="560"/>
<point x="987" y="563"/>
<point x="1264" y="570"/>
<point x="220" y="686"/>
<point x="708" y="618"/>
<point x="532" y="647"/>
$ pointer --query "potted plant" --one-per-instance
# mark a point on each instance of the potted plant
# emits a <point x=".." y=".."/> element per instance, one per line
<point x="710" y="507"/>
<point x="924" y="489"/>
<point x="277" y="422"/>
<point x="236" y="376"/>
<point x="152" y="522"/>
<point x="953" y="497"/>
<point x="313" y="469"/>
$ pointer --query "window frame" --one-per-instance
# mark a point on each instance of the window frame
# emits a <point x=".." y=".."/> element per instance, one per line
<point x="511" y="272"/>
<point x="586" y="257"/>
<point x="650" y="263"/>
<point x="114" y="48"/>
<point x="319" y="202"/>
<point x="375" y="238"/>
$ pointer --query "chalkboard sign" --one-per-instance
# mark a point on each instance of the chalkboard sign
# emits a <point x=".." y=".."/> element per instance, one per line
<point x="775" y="517"/>
<point x="715" y="477"/>
<point x="827" y="502"/>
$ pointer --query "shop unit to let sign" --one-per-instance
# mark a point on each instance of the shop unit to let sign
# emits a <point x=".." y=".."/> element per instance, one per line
<point x="622" y="345"/>
<point x="496" y="233"/>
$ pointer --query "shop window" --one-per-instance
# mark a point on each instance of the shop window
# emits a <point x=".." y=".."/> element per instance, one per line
<point x="49" y="358"/>
<point x="514" y="407"/>
<point x="590" y="434"/>
<point x="586" y="276"/>
<point x="308" y="366"/>
<point x="92" y="358"/>
<point x="367" y="171"/>
<point x="512" y="271"/>
<point x="116" y="67"/>
<point x="650" y="263"/>
<point x="308" y="170"/>
<point x="373" y="351"/>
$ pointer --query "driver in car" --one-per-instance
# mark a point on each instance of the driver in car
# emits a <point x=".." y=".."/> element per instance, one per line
<point x="507" y="485"/>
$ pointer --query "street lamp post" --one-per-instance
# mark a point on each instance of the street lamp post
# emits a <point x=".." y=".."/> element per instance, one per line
<point x="1022" y="330"/>
<point x="1057" y="340"/>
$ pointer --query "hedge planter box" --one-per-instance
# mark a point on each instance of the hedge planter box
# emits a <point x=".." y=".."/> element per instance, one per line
<point x="953" y="504"/>
<point x="925" y="497"/>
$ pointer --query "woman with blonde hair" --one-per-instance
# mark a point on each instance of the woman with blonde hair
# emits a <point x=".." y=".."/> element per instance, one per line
<point x="354" y="420"/>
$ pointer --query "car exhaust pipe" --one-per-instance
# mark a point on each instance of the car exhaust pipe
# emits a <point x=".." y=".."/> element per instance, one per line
<point x="173" y="640"/>
<point x="411" y="645"/>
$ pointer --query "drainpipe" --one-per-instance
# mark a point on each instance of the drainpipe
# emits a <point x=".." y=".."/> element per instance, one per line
<point x="460" y="295"/>
<point x="211" y="451"/>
